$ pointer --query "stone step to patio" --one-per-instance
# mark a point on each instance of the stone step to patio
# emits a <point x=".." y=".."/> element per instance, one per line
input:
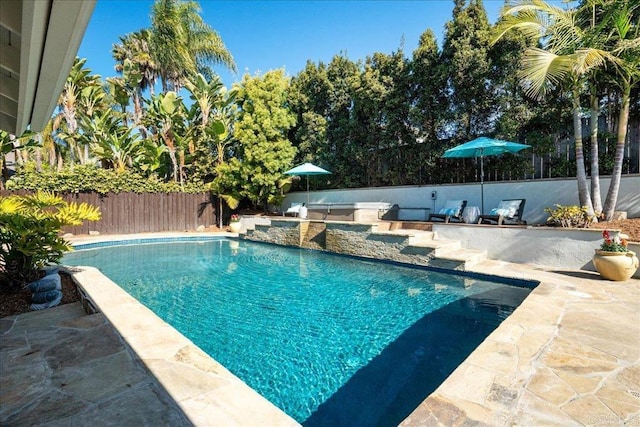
<point x="466" y="258"/>
<point x="447" y="254"/>
<point x="417" y="238"/>
<point x="439" y="247"/>
<point x="43" y="319"/>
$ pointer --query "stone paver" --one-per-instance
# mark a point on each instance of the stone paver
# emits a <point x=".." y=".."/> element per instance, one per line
<point x="61" y="366"/>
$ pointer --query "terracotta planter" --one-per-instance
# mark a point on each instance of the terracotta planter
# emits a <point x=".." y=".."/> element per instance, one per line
<point x="618" y="266"/>
<point x="235" y="226"/>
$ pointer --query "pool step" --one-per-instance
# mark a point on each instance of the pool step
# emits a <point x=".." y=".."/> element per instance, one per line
<point x="439" y="247"/>
<point x="459" y="259"/>
<point x="447" y="254"/>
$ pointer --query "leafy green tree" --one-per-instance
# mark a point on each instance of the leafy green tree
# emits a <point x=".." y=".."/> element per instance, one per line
<point x="465" y="57"/>
<point x="264" y="152"/>
<point x="428" y="106"/>
<point x="380" y="127"/>
<point x="30" y="234"/>
<point x="309" y="95"/>
<point x="138" y="72"/>
<point x="341" y="74"/>
<point x="182" y="44"/>
<point x="134" y="51"/>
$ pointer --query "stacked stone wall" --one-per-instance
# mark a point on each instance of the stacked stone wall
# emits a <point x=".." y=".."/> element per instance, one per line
<point x="280" y="232"/>
<point x="365" y="241"/>
<point x="356" y="239"/>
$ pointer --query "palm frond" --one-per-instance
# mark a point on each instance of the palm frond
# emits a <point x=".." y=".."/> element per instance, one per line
<point x="587" y="59"/>
<point x="554" y="27"/>
<point x="11" y="205"/>
<point x="230" y="200"/>
<point x="43" y="200"/>
<point x="541" y="68"/>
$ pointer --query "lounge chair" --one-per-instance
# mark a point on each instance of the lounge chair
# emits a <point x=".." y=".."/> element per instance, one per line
<point x="294" y="209"/>
<point x="452" y="211"/>
<point x="508" y="212"/>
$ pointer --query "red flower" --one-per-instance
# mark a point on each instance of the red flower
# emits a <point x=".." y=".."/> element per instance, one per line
<point x="605" y="234"/>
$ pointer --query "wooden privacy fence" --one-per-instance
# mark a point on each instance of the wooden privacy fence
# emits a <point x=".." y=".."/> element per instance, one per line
<point x="125" y="213"/>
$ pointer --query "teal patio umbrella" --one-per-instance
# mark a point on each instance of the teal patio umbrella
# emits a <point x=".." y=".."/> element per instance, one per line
<point x="482" y="147"/>
<point x="307" y="169"/>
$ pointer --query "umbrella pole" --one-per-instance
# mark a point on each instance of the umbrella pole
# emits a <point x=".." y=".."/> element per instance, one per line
<point x="307" y="191"/>
<point x="481" y="185"/>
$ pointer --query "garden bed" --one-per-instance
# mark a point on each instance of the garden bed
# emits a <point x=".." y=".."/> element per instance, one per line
<point x="12" y="303"/>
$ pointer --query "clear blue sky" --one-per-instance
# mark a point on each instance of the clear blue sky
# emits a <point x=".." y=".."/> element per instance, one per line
<point x="269" y="34"/>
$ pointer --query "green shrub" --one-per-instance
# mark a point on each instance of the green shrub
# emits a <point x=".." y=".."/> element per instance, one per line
<point x="569" y="216"/>
<point x="81" y="179"/>
<point x="30" y="234"/>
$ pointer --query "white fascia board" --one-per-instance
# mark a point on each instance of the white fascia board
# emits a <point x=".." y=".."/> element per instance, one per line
<point x="35" y="18"/>
<point x="11" y="15"/>
<point x="9" y="86"/>
<point x="67" y="24"/>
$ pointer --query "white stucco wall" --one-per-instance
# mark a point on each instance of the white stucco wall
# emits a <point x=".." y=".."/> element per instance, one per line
<point x="564" y="248"/>
<point x="540" y="194"/>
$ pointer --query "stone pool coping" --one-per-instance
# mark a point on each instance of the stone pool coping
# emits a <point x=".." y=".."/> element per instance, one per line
<point x="569" y="354"/>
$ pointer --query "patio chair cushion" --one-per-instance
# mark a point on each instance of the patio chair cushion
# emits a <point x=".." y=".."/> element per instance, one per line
<point x="451" y="208"/>
<point x="506" y="208"/>
<point x="295" y="208"/>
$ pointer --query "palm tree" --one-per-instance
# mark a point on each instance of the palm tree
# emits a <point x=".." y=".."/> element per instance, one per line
<point x="621" y="22"/>
<point x="182" y="44"/>
<point x="165" y="121"/>
<point x="82" y="95"/>
<point x="565" y="59"/>
<point x="112" y="142"/>
<point x="135" y="63"/>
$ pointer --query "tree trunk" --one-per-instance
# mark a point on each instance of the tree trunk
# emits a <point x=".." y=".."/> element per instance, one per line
<point x="4" y="173"/>
<point x="219" y="212"/>
<point x="181" y="167"/>
<point x="38" y="155"/>
<point x="581" y="175"/>
<point x="614" y="186"/>
<point x="174" y="163"/>
<point x="52" y="155"/>
<point x="595" y="167"/>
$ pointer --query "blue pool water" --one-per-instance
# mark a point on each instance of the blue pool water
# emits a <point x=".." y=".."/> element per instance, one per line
<point x="331" y="340"/>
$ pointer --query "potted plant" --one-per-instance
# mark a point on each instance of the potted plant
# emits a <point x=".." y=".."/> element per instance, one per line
<point x="235" y="225"/>
<point x="614" y="261"/>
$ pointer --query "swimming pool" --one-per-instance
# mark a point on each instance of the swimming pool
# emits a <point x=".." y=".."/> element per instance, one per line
<point x="330" y="339"/>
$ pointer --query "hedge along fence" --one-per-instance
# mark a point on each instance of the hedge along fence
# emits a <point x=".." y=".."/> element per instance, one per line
<point x="125" y="213"/>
